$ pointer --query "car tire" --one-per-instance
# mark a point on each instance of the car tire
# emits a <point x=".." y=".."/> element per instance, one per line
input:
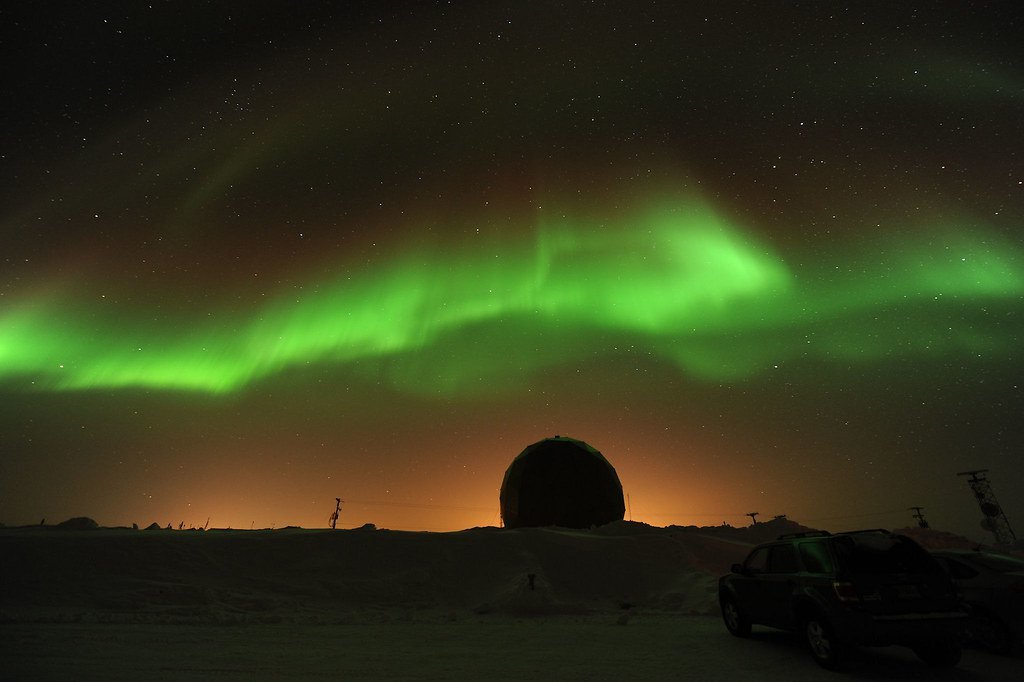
<point x="989" y="633"/>
<point x="736" y="622"/>
<point x="943" y="654"/>
<point x="826" y="649"/>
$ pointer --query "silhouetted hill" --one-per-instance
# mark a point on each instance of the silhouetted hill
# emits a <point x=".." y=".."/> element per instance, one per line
<point x="78" y="523"/>
<point x="753" y="534"/>
<point x="126" y="575"/>
<point x="930" y="538"/>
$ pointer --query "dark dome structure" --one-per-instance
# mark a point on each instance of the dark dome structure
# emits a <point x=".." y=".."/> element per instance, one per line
<point x="561" y="482"/>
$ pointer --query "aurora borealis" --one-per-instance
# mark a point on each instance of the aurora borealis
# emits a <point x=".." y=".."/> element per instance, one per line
<point x="681" y="284"/>
<point x="257" y="257"/>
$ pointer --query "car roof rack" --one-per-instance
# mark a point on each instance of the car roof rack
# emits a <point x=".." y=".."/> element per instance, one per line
<point x="866" y="530"/>
<point x="805" y="534"/>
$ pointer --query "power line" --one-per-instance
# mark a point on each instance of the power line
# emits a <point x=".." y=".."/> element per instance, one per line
<point x="417" y="505"/>
<point x="735" y="515"/>
<point x="640" y="514"/>
<point x="857" y="516"/>
<point x="696" y="515"/>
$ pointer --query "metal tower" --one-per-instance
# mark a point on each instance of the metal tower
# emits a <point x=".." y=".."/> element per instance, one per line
<point x="994" y="519"/>
<point x="337" y="512"/>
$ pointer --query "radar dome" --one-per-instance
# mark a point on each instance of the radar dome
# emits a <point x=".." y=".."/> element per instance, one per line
<point x="560" y="482"/>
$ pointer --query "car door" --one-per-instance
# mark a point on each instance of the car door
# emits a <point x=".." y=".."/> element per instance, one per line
<point x="747" y="584"/>
<point x="768" y="583"/>
<point x="776" y="588"/>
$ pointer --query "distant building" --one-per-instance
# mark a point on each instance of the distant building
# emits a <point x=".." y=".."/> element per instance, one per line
<point x="561" y="482"/>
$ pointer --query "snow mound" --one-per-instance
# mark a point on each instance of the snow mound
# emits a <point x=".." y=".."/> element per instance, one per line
<point x="78" y="523"/>
<point x="529" y="595"/>
<point x="298" y="575"/>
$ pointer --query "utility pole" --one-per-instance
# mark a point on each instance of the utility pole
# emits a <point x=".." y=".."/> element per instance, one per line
<point x="921" y="523"/>
<point x="994" y="519"/>
<point x="753" y="517"/>
<point x="337" y="512"/>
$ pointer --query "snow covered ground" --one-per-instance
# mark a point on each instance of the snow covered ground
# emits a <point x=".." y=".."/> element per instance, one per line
<point x="623" y="602"/>
<point x="650" y="646"/>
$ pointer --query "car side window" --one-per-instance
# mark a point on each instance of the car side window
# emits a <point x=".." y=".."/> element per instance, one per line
<point x="816" y="558"/>
<point x="958" y="570"/>
<point x="782" y="559"/>
<point x="757" y="562"/>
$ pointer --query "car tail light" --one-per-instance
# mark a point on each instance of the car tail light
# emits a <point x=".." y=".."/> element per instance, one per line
<point x="847" y="591"/>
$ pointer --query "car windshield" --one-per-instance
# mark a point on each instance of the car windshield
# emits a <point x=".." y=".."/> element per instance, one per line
<point x="996" y="562"/>
<point x="879" y="553"/>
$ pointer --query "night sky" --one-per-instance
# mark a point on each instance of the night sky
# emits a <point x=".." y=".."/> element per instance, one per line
<point x="255" y="256"/>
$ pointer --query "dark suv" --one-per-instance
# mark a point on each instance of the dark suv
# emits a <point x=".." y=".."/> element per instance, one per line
<point x="868" y="587"/>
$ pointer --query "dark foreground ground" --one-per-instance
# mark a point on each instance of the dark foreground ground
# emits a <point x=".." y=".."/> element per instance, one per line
<point x="591" y="647"/>
<point x="624" y="602"/>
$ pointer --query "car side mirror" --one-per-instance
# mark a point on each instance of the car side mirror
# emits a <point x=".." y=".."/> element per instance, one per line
<point x="738" y="568"/>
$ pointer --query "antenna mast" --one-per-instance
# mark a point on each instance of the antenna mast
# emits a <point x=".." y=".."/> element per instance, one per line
<point x="994" y="519"/>
<point x="921" y="523"/>
<point x="337" y="512"/>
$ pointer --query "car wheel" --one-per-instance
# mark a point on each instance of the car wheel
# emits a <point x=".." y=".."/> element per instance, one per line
<point x="826" y="650"/>
<point x="989" y="633"/>
<point x="945" y="654"/>
<point x="735" y="622"/>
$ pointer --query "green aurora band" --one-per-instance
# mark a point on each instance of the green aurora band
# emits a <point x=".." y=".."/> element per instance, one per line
<point x="680" y="284"/>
